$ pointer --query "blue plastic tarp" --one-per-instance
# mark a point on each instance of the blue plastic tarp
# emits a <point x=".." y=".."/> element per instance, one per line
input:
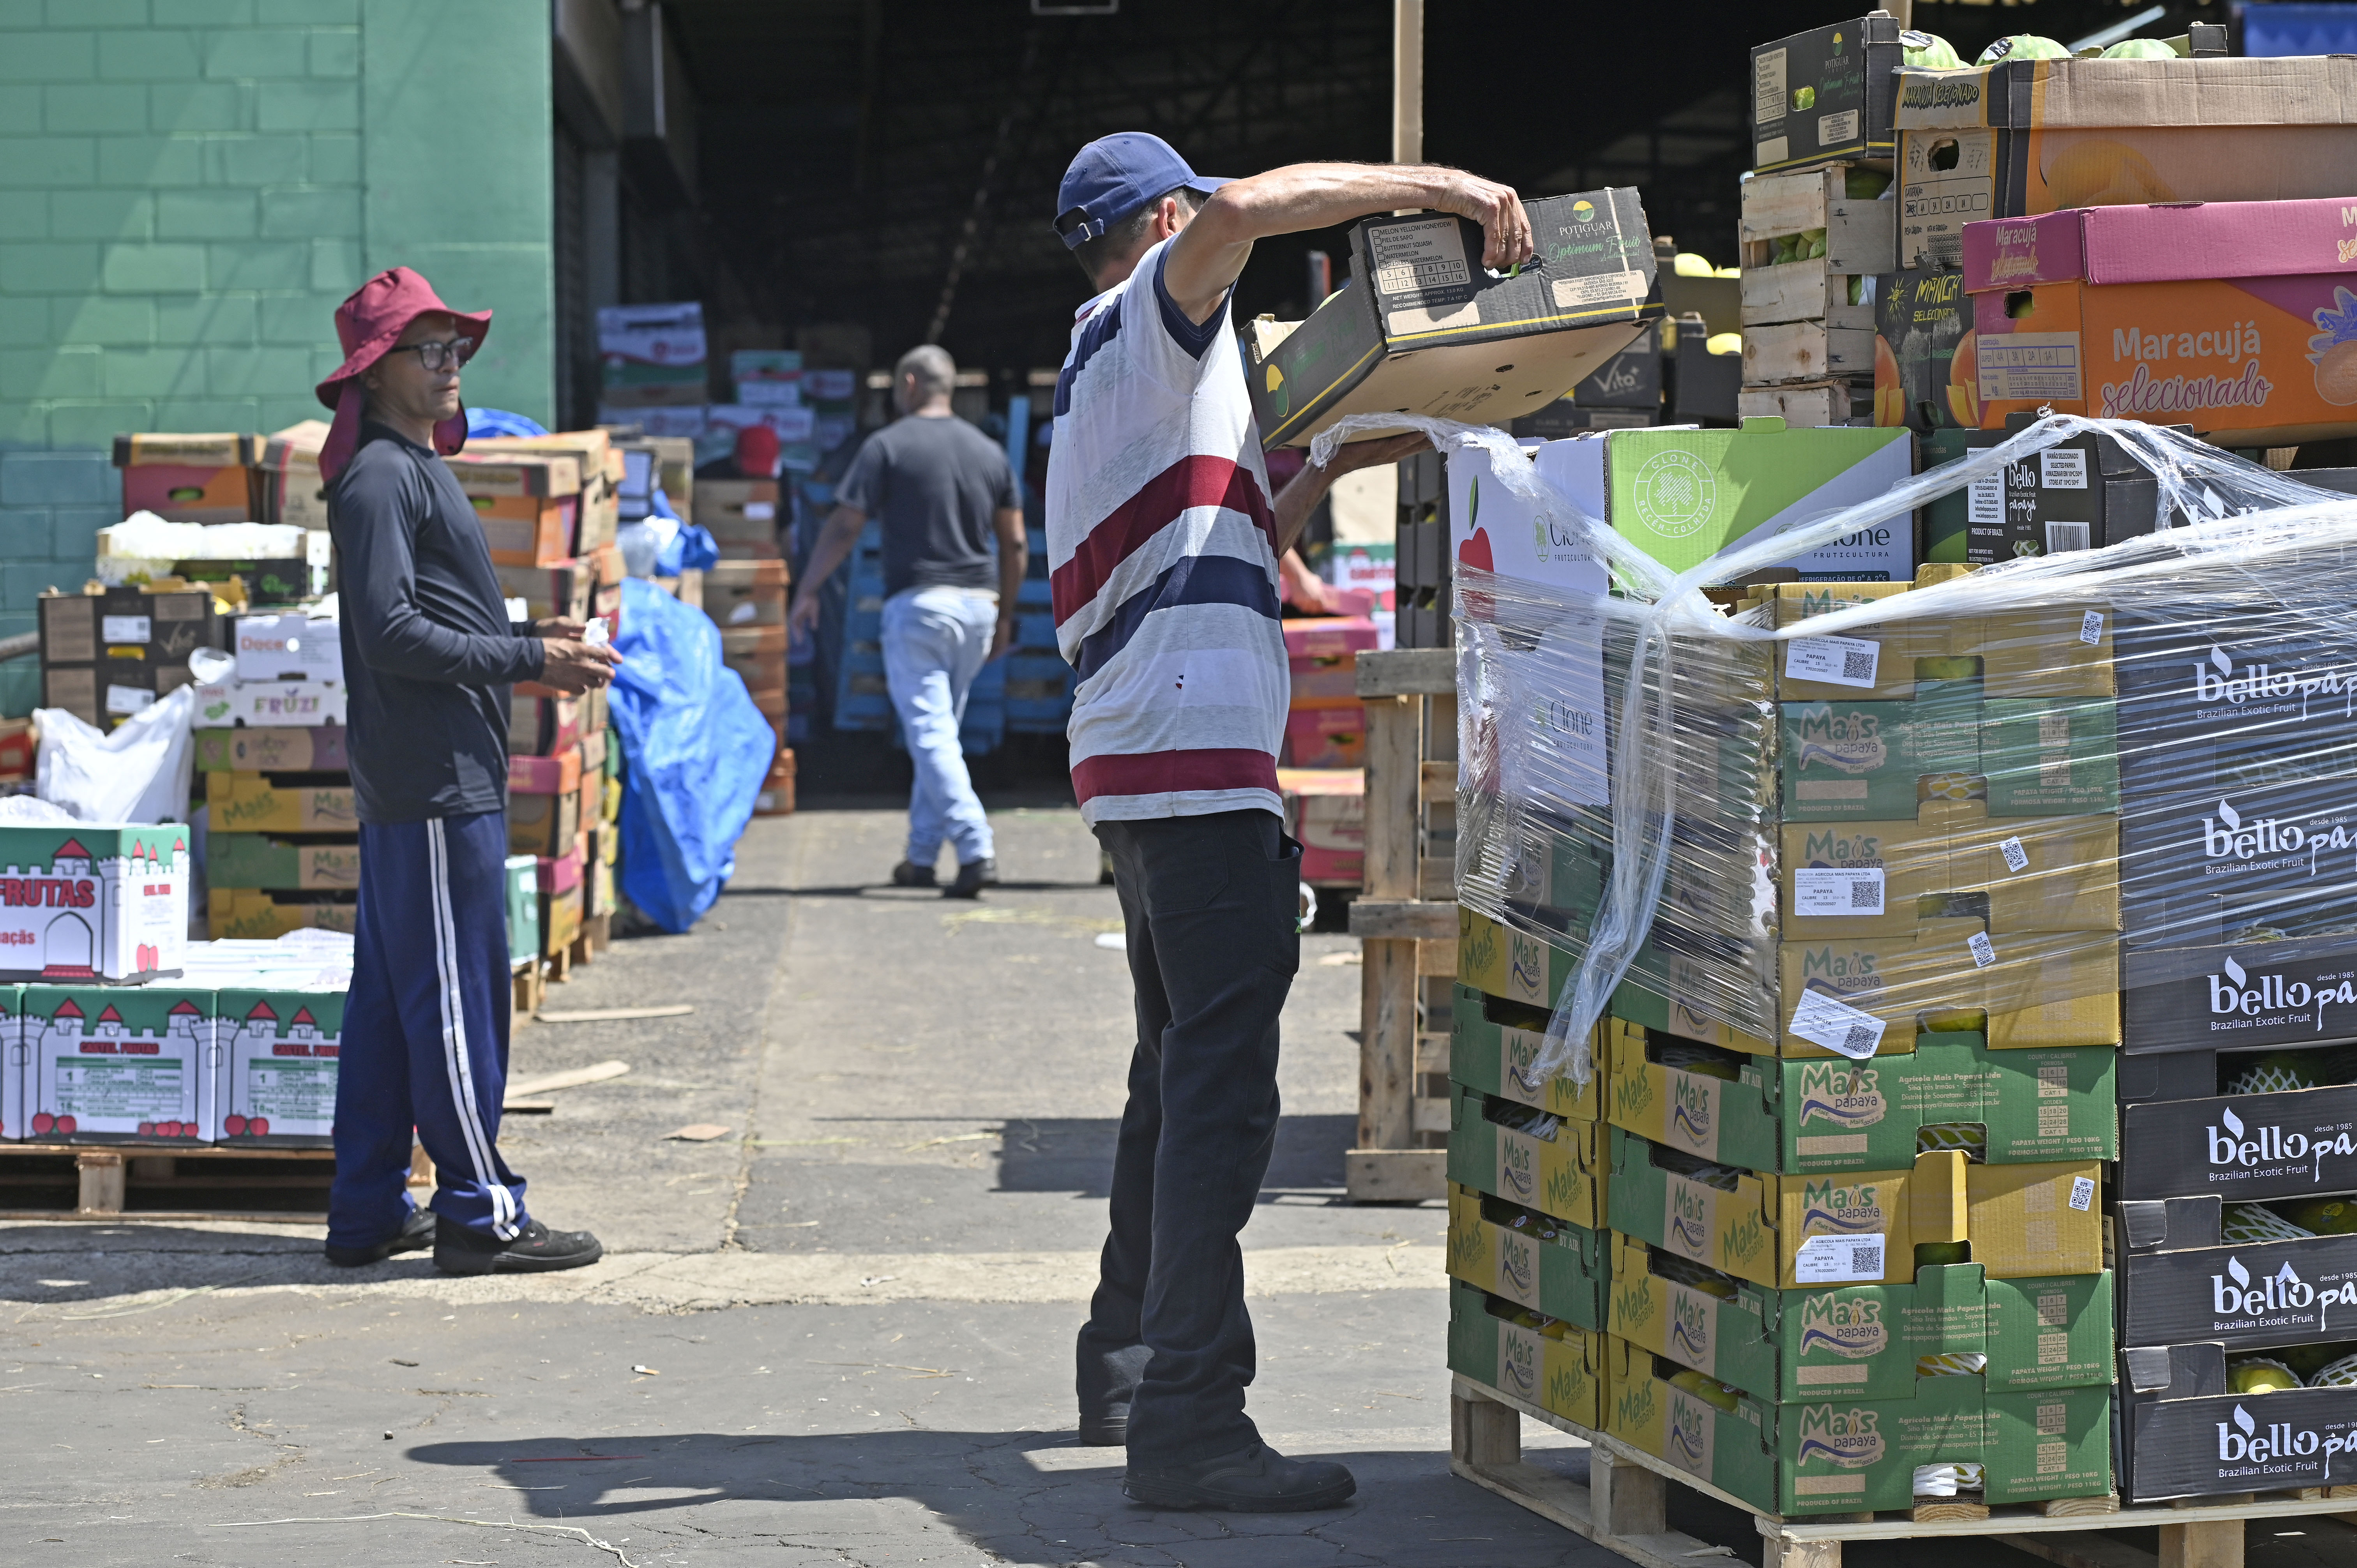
<point x="695" y="751"/>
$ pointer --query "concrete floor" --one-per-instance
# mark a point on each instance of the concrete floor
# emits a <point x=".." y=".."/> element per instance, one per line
<point x="840" y="1334"/>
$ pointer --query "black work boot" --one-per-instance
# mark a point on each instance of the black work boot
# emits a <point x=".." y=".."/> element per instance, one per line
<point x="536" y="1249"/>
<point x="1257" y="1480"/>
<point x="972" y="877"/>
<point x="415" y="1234"/>
<point x="908" y="873"/>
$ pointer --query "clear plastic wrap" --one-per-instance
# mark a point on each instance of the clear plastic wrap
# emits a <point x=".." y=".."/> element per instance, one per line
<point x="1816" y="819"/>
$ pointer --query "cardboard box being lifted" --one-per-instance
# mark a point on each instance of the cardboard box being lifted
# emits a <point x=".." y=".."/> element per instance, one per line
<point x="1424" y="328"/>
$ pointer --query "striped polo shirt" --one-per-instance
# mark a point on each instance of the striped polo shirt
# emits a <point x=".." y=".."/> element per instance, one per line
<point x="1160" y="550"/>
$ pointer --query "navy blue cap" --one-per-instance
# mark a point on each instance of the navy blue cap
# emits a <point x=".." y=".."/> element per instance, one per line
<point x="1114" y="175"/>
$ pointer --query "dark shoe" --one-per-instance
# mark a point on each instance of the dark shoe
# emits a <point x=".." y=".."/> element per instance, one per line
<point x="536" y="1249"/>
<point x="972" y="877"/>
<point x="1257" y="1480"/>
<point x="907" y="873"/>
<point x="416" y="1234"/>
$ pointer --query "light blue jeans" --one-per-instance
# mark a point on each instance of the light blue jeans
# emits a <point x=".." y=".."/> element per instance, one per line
<point x="935" y="640"/>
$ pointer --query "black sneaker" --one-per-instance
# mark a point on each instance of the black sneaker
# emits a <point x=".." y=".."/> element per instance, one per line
<point x="1257" y="1480"/>
<point x="907" y="873"/>
<point x="536" y="1249"/>
<point x="972" y="877"/>
<point x="415" y="1234"/>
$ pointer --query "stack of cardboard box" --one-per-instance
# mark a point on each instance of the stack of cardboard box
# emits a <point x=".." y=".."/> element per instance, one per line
<point x="747" y="600"/>
<point x="655" y="373"/>
<point x="109" y="652"/>
<point x="565" y="798"/>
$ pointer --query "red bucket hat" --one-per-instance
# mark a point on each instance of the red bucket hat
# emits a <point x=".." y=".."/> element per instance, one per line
<point x="368" y="324"/>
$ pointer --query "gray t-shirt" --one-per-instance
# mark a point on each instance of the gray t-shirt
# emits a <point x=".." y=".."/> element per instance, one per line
<point x="933" y="484"/>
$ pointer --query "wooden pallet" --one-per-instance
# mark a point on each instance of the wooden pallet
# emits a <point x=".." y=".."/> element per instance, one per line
<point x="1623" y="1506"/>
<point x="104" y="1178"/>
<point x="529" y="989"/>
<point x="1407" y="923"/>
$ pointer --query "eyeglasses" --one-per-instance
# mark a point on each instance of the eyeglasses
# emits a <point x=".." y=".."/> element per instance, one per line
<point x="437" y="356"/>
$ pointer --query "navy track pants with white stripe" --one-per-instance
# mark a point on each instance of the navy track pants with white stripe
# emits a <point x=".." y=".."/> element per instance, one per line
<point x="425" y="1031"/>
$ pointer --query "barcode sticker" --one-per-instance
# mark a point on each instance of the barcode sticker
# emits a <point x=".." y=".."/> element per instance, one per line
<point x="2062" y="538"/>
<point x="761" y="512"/>
<point x="1837" y="660"/>
<point x="128" y="699"/>
<point x="1838" y="1260"/>
<point x="2016" y="858"/>
<point x="1827" y="1021"/>
<point x="2059" y="469"/>
<point x="1983" y="951"/>
<point x="1824" y="892"/>
<point x="2091" y="627"/>
<point x="122" y="628"/>
<point x="2083" y="1193"/>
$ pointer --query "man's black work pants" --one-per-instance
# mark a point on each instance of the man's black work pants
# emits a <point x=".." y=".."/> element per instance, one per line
<point x="1212" y="904"/>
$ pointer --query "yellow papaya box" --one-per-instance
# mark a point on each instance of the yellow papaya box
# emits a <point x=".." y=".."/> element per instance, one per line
<point x="1800" y="1118"/>
<point x="280" y="803"/>
<point x="1526" y="1156"/>
<point x="1861" y="1227"/>
<point x="1861" y="996"/>
<point x="1540" y="1361"/>
<point x="1662" y="991"/>
<point x="1493" y="1044"/>
<point x="1526" y="1257"/>
<point x="1850" y="1454"/>
<point x="1885" y="879"/>
<point x="1872" y="1342"/>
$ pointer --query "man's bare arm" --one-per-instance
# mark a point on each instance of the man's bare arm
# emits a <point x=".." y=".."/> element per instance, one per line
<point x="1307" y="489"/>
<point x="834" y="543"/>
<point x="1210" y="250"/>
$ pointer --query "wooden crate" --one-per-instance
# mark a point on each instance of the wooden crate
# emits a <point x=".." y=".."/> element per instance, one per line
<point x="1805" y="405"/>
<point x="129" y="1181"/>
<point x="1791" y="352"/>
<point x="1623" y="1508"/>
<point x="1406" y="921"/>
<point x="1861" y="240"/>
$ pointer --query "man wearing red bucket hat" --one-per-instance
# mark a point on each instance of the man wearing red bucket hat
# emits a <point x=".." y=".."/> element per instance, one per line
<point x="429" y="660"/>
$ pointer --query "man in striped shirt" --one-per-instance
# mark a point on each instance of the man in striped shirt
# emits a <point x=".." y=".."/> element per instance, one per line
<point x="1162" y="544"/>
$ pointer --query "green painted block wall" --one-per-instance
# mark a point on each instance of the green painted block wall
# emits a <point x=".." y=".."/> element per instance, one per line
<point x="187" y="188"/>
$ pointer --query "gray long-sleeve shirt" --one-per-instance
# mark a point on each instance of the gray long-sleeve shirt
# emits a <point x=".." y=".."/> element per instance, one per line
<point x="429" y="652"/>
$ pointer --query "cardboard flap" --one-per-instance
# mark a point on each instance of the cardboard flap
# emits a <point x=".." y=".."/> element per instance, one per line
<point x="2144" y="1224"/>
<point x="1938" y="1196"/>
<point x="2314" y="90"/>
<point x="2148" y="1370"/>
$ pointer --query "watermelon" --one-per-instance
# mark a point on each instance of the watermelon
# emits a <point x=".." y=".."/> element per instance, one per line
<point x="1927" y="51"/>
<point x="2140" y="49"/>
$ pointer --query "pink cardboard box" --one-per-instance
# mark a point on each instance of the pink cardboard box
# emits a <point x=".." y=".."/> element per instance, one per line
<point x="1326" y="809"/>
<point x="1326" y="737"/>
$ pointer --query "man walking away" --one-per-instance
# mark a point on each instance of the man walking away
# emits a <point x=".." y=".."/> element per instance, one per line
<point x="429" y="658"/>
<point x="939" y="487"/>
<point x="1163" y="545"/>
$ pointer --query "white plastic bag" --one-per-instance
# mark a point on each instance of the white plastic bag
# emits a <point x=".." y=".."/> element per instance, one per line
<point x="137" y="773"/>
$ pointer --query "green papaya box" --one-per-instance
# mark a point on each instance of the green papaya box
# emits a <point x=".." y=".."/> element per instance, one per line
<point x="1870" y="1342"/>
<point x="1492" y="1044"/>
<point x="1851" y="1456"/>
<point x="1526" y="1156"/>
<point x="1546" y="1266"/>
<point x="1557" y="1367"/>
<point x="1797" y="1118"/>
<point x="1499" y="961"/>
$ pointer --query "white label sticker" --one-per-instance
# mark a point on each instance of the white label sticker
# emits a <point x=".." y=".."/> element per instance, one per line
<point x="122" y="628"/>
<point x="1768" y="87"/>
<point x="2061" y="469"/>
<point x="761" y="512"/>
<point x="1984" y="950"/>
<point x="1410" y="258"/>
<point x="2035" y="367"/>
<point x="1840" y="661"/>
<point x="2016" y="858"/>
<point x="1828" y="1021"/>
<point x="128" y="699"/>
<point x="2091" y="627"/>
<point x="1833" y="129"/>
<point x="1603" y="288"/>
<point x="1773" y="151"/>
<point x="2083" y="1193"/>
<point x="1838" y="1260"/>
<point x="1838" y="890"/>
<point x="1984" y="501"/>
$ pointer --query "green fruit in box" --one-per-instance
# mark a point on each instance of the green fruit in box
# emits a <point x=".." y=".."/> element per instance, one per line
<point x="2140" y="49"/>
<point x="1926" y="51"/>
<point x="1708" y="1390"/>
<point x="1866" y="184"/>
<point x="2249" y="1224"/>
<point x="1939" y="1255"/>
<point x="1954" y="1020"/>
<point x="1948" y="668"/>
<point x="2022" y="46"/>
<point x="1955" y="1364"/>
<point x="2340" y="1374"/>
<point x="1813" y="243"/>
<point x="2275" y="1072"/>
<point x="2259" y="1375"/>
<point x="2324" y="1216"/>
<point x="1702" y="1060"/>
<point x="2309" y="1360"/>
<point x="1972" y="1137"/>
<point x="1694" y="1275"/>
